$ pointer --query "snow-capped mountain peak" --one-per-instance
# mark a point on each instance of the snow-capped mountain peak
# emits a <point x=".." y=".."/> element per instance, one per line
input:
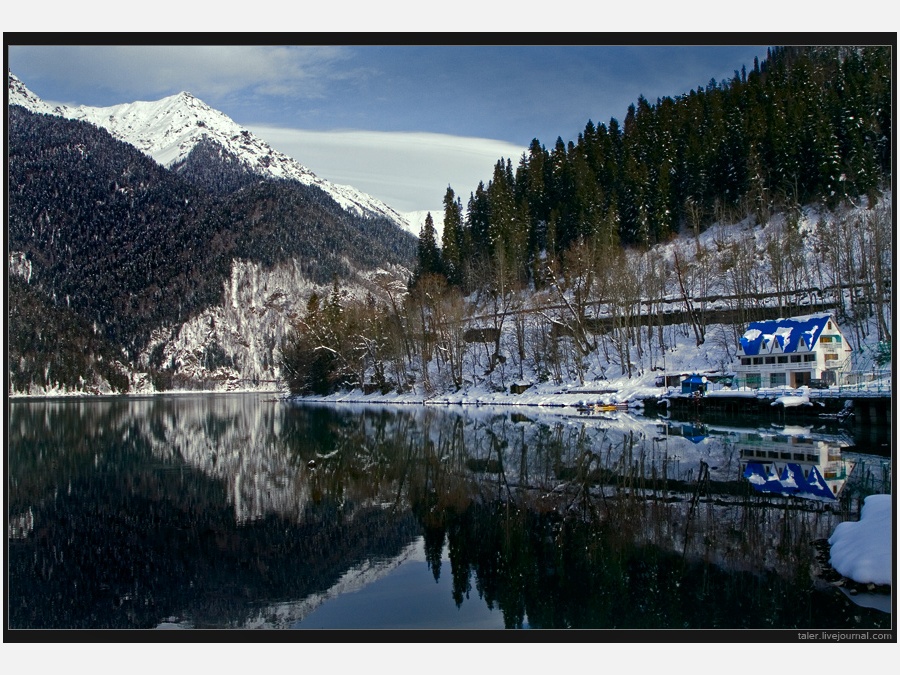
<point x="168" y="129"/>
<point x="21" y="95"/>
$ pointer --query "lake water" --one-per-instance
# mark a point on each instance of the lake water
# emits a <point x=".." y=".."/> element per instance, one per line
<point x="243" y="511"/>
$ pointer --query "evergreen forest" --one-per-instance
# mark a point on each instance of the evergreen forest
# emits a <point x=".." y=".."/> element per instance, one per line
<point x="570" y="234"/>
<point x="805" y="125"/>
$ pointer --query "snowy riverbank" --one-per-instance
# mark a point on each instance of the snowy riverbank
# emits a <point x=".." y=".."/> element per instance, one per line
<point x="861" y="551"/>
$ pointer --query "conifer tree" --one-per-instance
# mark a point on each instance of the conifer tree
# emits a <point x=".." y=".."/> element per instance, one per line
<point x="453" y="238"/>
<point x="478" y="221"/>
<point x="808" y="123"/>
<point x="428" y="254"/>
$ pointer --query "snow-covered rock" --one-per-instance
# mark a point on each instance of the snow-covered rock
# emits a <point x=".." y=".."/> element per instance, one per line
<point x="861" y="550"/>
<point x="257" y="308"/>
<point x="19" y="94"/>
<point x="244" y="331"/>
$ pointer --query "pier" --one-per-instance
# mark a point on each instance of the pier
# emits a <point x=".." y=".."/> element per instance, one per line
<point x="851" y="407"/>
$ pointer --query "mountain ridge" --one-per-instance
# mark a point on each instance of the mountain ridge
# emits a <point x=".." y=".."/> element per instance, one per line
<point x="168" y="130"/>
<point x="139" y="264"/>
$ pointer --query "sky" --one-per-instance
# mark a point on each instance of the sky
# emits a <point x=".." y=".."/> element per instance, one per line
<point x="400" y="122"/>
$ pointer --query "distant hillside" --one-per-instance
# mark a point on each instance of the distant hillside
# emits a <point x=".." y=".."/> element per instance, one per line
<point x="214" y="169"/>
<point x="109" y="232"/>
<point x="129" y="246"/>
<point x="52" y="348"/>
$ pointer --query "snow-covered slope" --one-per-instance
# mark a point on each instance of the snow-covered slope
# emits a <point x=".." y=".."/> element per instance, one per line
<point x="167" y="130"/>
<point x="19" y="94"/>
<point x="416" y="220"/>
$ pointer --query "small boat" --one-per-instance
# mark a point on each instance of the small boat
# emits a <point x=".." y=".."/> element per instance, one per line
<point x="591" y="408"/>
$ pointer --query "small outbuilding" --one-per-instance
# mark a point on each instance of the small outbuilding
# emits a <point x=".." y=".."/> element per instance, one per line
<point x="694" y="384"/>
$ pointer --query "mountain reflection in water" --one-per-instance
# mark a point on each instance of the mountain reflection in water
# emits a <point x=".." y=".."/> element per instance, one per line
<point x="238" y="511"/>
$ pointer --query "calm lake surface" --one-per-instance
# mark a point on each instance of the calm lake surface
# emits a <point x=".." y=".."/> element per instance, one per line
<point x="242" y="511"/>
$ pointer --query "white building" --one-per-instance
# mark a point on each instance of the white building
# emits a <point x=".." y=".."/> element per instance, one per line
<point x="793" y="352"/>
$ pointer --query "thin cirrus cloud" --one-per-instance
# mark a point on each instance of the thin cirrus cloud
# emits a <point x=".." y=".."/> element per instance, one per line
<point x="409" y="171"/>
<point x="107" y="74"/>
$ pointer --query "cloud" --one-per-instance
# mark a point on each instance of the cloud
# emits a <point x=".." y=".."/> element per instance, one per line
<point x="409" y="171"/>
<point x="514" y="93"/>
<point x="211" y="72"/>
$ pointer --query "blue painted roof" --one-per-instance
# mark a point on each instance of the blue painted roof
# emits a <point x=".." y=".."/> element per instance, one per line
<point x="817" y="484"/>
<point x="762" y="480"/>
<point x="787" y="332"/>
<point x="790" y="482"/>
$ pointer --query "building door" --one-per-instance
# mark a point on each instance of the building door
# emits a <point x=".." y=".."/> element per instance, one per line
<point x="800" y="378"/>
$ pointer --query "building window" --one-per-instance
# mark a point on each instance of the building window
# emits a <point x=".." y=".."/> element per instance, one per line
<point x="777" y="379"/>
<point x="770" y="359"/>
<point x="782" y="359"/>
<point x="809" y="357"/>
<point x="745" y="362"/>
<point x="754" y="381"/>
<point x="825" y="339"/>
<point x="831" y="357"/>
<point x="795" y="358"/>
<point x="757" y="360"/>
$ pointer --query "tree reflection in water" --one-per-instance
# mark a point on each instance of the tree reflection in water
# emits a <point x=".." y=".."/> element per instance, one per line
<point x="235" y="512"/>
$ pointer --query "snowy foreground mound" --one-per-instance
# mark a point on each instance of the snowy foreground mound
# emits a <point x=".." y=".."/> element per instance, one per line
<point x="862" y="550"/>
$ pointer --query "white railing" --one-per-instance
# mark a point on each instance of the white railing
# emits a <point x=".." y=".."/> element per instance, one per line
<point x="858" y="383"/>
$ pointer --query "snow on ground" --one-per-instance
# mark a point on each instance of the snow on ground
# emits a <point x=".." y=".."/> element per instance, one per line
<point x="792" y="400"/>
<point x="861" y="550"/>
<point x="604" y="384"/>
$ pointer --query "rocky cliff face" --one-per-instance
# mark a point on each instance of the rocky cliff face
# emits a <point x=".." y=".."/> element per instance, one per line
<point x="235" y="344"/>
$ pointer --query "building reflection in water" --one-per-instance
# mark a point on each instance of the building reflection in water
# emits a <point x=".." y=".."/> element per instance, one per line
<point x="793" y="461"/>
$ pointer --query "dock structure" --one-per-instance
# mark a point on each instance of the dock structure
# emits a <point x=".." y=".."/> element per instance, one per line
<point x="856" y="407"/>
